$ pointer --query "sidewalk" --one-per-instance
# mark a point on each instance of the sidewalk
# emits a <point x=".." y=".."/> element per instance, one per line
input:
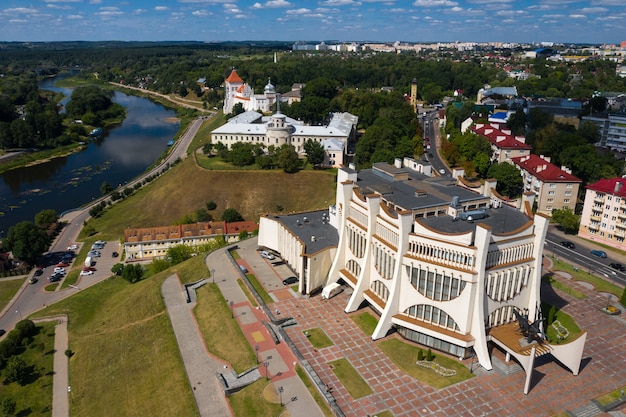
<point x="279" y="358"/>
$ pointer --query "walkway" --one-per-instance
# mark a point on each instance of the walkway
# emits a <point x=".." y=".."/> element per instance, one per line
<point x="200" y="365"/>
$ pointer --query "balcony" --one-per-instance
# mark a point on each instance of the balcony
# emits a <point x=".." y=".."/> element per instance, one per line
<point x="595" y="217"/>
<point x="599" y="199"/>
<point x="621" y="225"/>
<point x="622" y="215"/>
<point x="594" y="226"/>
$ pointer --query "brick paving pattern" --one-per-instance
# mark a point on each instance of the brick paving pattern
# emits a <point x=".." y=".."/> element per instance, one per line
<point x="553" y="390"/>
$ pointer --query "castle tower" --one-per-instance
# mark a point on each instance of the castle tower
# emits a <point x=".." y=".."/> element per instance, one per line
<point x="231" y="85"/>
<point x="277" y="131"/>
<point x="414" y="94"/>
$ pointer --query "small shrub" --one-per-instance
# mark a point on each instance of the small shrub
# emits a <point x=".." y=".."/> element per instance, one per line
<point x="69" y="353"/>
<point x="429" y="355"/>
<point x="420" y="355"/>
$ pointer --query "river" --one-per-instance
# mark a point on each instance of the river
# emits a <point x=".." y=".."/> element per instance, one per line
<point x="121" y="154"/>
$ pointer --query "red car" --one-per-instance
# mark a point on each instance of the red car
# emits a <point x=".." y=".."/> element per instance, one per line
<point x="62" y="264"/>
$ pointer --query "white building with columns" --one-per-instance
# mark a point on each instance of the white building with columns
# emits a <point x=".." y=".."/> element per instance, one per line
<point x="441" y="264"/>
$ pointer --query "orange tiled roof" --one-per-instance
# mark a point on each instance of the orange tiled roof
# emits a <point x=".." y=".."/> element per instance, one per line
<point x="234" y="77"/>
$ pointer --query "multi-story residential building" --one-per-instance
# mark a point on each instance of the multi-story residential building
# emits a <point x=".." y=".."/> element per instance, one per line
<point x="153" y="242"/>
<point x="278" y="129"/>
<point x="504" y="145"/>
<point x="604" y="214"/>
<point x="554" y="187"/>
<point x="612" y="130"/>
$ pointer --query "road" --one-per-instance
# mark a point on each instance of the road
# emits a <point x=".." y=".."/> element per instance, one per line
<point x="33" y="297"/>
<point x="581" y="256"/>
<point x="430" y="124"/>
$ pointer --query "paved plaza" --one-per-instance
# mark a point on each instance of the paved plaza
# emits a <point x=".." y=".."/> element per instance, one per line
<point x="553" y="390"/>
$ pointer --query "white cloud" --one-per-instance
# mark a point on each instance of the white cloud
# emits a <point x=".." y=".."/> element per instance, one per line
<point x="62" y="1"/>
<point x="108" y="12"/>
<point x="17" y="21"/>
<point x="201" y="13"/>
<point x="577" y="16"/>
<point x="95" y="1"/>
<point x="456" y="9"/>
<point x="278" y="3"/>
<point x="139" y="11"/>
<point x="299" y="11"/>
<point x="58" y="7"/>
<point x="435" y="3"/>
<point x="594" y="10"/>
<point x="20" y="10"/>
<point x="161" y="8"/>
<point x="340" y="3"/>
<point x="74" y="16"/>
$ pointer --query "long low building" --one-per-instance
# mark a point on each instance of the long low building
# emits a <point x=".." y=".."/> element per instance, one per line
<point x="278" y="129"/>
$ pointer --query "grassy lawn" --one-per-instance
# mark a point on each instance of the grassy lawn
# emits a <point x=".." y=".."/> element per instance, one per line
<point x="318" y="338"/>
<point x="404" y="355"/>
<point x="321" y="403"/>
<point x="267" y="299"/>
<point x="222" y="334"/>
<point x="580" y="275"/>
<point x="563" y="287"/>
<point x="611" y="396"/>
<point x="127" y="360"/>
<point x="34" y="398"/>
<point x="366" y="322"/>
<point x="250" y="401"/>
<point x="350" y="378"/>
<point x="8" y="289"/>
<point x="566" y="321"/>
<point x="251" y="193"/>
<point x="246" y="291"/>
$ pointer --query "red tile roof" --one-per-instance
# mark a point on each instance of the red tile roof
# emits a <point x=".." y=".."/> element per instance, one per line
<point x="502" y="138"/>
<point x="543" y="170"/>
<point x="234" y="77"/>
<point x="615" y="186"/>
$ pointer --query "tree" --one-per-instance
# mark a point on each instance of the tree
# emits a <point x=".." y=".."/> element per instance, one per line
<point x="27" y="241"/>
<point x="182" y="91"/>
<point x="314" y="152"/>
<point x="510" y="181"/>
<point x="15" y="370"/>
<point x="231" y="215"/>
<point x="133" y="273"/>
<point x="46" y="218"/>
<point x="117" y="269"/>
<point x="288" y="159"/>
<point x="179" y="253"/>
<point x="566" y="219"/>
<point x="211" y="205"/>
<point x="8" y="406"/>
<point x="106" y="188"/>
<point x="517" y="122"/>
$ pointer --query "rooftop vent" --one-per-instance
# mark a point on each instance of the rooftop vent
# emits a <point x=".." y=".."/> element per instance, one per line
<point x="473" y="214"/>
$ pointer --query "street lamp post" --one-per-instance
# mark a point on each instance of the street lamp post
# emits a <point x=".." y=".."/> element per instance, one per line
<point x="256" y="349"/>
<point x="232" y="312"/>
<point x="213" y="275"/>
<point x="280" y="393"/>
<point x="266" y="364"/>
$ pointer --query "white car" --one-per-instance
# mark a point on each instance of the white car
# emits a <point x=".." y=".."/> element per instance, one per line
<point x="59" y="270"/>
<point x="83" y="273"/>
<point x="72" y="247"/>
<point x="267" y="255"/>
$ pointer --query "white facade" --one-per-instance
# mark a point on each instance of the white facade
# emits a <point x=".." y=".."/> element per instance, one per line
<point x="278" y="129"/>
<point x="604" y="214"/>
<point x="238" y="92"/>
<point x="437" y="279"/>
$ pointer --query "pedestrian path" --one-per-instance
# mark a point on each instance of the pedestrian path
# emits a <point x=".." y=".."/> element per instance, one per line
<point x="202" y="367"/>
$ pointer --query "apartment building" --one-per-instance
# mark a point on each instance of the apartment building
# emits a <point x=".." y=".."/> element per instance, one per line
<point x="504" y="145"/>
<point x="554" y="187"/>
<point x="604" y="214"/>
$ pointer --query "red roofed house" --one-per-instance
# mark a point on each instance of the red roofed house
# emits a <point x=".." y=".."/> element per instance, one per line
<point x="505" y="146"/>
<point x="554" y="187"/>
<point x="604" y="213"/>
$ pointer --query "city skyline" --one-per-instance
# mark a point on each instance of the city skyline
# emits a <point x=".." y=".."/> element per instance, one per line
<point x="526" y="21"/>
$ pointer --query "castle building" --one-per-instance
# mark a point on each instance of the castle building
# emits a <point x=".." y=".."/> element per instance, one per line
<point x="236" y="91"/>
<point x="278" y="129"/>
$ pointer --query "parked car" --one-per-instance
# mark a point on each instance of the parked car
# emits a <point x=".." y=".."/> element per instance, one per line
<point x="243" y="269"/>
<point x="62" y="264"/>
<point x="93" y="253"/>
<point x="55" y="277"/>
<point x="59" y="270"/>
<point x="39" y="272"/>
<point x="290" y="280"/>
<point x="265" y="254"/>
<point x="600" y="253"/>
<point x="618" y="266"/>
<point x="72" y="247"/>
<point x="89" y="268"/>
<point x="442" y="171"/>
<point x="100" y="242"/>
<point x="2" y="332"/>
<point x="87" y="272"/>
<point x="568" y="244"/>
<point x="33" y="280"/>
<point x="115" y="255"/>
<point x="95" y="246"/>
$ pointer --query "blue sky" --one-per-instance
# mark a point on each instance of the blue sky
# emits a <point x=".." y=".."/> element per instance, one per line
<point x="593" y="21"/>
